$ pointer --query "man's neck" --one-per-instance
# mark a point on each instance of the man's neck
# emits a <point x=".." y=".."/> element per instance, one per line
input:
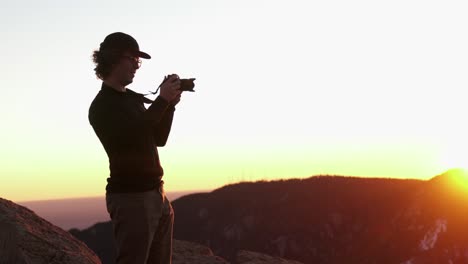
<point x="115" y="85"/>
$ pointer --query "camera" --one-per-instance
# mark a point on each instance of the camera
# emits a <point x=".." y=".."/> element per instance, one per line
<point x="187" y="85"/>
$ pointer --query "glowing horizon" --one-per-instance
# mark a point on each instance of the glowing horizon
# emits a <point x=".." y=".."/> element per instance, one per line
<point x="291" y="90"/>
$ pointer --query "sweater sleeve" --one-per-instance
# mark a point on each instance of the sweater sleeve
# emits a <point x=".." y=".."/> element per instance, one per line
<point x="156" y="111"/>
<point x="159" y="116"/>
<point x="162" y="129"/>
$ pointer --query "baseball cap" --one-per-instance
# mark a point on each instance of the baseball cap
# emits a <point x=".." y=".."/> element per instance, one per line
<point x="122" y="42"/>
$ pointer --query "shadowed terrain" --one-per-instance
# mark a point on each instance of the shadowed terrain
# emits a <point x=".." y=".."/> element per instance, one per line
<point x="328" y="219"/>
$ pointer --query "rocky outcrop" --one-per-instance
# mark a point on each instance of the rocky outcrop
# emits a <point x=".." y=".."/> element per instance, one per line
<point x="249" y="257"/>
<point x="25" y="238"/>
<point x="187" y="252"/>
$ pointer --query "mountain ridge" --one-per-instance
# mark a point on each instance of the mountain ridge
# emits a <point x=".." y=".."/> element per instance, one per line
<point x="330" y="219"/>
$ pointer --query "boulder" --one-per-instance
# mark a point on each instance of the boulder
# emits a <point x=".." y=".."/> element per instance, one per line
<point x="26" y="238"/>
<point x="188" y="252"/>
<point x="249" y="257"/>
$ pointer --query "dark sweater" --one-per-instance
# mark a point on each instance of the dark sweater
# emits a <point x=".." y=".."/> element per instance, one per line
<point x="129" y="134"/>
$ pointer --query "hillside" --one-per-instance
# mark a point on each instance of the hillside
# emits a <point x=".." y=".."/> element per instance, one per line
<point x="330" y="219"/>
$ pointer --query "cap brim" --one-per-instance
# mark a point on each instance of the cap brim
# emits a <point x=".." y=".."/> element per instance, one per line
<point x="143" y="55"/>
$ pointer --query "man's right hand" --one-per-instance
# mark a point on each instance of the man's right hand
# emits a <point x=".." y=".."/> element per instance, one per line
<point x="170" y="88"/>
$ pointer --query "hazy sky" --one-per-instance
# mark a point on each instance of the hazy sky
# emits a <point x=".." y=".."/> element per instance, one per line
<point x="284" y="89"/>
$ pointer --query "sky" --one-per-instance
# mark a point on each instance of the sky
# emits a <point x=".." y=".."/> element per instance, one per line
<point x="284" y="89"/>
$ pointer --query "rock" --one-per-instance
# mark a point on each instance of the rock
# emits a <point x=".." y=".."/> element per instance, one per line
<point x="249" y="257"/>
<point x="188" y="252"/>
<point x="193" y="253"/>
<point x="25" y="238"/>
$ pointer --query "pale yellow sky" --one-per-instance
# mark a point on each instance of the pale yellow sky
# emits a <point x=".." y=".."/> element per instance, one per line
<point x="284" y="89"/>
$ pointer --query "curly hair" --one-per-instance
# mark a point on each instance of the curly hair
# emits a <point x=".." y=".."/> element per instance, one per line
<point x="104" y="61"/>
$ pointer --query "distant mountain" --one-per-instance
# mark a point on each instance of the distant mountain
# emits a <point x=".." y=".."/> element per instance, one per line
<point x="332" y="219"/>
<point x="78" y="213"/>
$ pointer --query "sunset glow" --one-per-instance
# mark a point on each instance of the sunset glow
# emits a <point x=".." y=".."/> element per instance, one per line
<point x="461" y="181"/>
<point x="284" y="89"/>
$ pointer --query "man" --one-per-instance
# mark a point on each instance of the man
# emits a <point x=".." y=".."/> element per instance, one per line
<point x="141" y="215"/>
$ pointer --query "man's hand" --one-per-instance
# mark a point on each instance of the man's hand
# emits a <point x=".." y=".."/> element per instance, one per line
<point x="170" y="89"/>
<point x="176" y="100"/>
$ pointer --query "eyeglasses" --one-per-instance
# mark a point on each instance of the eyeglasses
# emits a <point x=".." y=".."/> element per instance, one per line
<point x="133" y="59"/>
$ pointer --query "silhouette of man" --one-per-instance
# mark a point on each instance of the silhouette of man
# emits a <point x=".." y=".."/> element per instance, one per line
<point x="141" y="215"/>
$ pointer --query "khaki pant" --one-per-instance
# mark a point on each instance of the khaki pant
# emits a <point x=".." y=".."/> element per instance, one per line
<point x="142" y="224"/>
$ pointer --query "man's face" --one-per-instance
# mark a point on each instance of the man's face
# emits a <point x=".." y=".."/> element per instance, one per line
<point x="126" y="68"/>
